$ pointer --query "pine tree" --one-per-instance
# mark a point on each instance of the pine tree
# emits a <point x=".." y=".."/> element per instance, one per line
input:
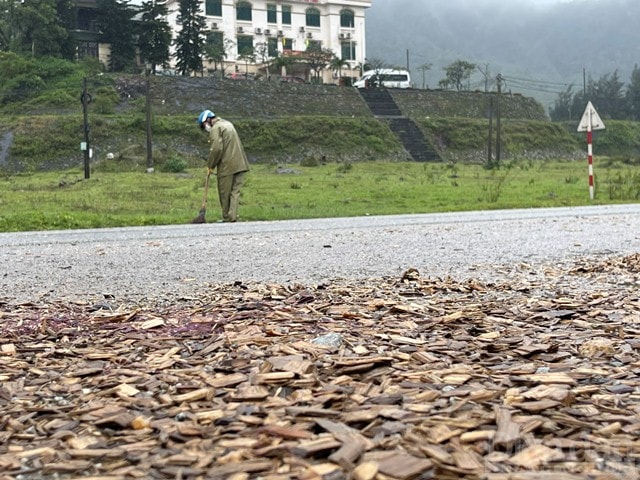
<point x="190" y="41"/>
<point x="563" y="108"/>
<point x="633" y="94"/>
<point x="610" y="96"/>
<point x="66" y="14"/>
<point x="115" y="19"/>
<point x="154" y="37"/>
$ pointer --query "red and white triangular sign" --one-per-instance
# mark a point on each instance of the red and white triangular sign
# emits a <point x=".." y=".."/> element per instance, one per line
<point x="590" y="120"/>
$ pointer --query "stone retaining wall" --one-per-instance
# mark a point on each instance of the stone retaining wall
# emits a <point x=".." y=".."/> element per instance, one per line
<point x="262" y="99"/>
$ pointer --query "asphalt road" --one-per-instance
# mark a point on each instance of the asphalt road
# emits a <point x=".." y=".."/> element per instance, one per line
<point x="169" y="262"/>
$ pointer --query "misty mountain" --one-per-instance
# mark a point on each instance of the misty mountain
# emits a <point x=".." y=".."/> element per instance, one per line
<point x="540" y="46"/>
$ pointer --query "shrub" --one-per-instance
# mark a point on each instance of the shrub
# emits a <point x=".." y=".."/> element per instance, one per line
<point x="105" y="100"/>
<point x="174" y="164"/>
<point x="21" y="87"/>
<point x="53" y="99"/>
<point x="310" y="162"/>
<point x="53" y="68"/>
<point x="345" y="167"/>
<point x="91" y="65"/>
<point x="624" y="186"/>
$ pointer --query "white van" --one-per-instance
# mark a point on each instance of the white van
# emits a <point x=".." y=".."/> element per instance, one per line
<point x="387" y="77"/>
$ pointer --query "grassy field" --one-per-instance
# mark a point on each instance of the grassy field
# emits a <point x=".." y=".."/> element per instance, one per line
<point x="65" y="200"/>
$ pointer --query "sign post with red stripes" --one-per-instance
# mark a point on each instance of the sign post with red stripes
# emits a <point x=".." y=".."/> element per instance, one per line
<point x="590" y="121"/>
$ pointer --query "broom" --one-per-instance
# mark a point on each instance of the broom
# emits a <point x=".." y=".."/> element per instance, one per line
<point x="203" y="210"/>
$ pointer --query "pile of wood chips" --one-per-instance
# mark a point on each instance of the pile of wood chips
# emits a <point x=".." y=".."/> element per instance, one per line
<point x="390" y="378"/>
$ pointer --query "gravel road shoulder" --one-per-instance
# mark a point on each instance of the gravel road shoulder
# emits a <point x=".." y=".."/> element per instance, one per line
<point x="164" y="263"/>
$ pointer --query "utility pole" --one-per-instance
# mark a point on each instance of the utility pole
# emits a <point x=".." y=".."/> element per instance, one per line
<point x="485" y="74"/>
<point x="148" y="112"/>
<point x="85" y="146"/>
<point x="498" y="119"/>
<point x="490" y="142"/>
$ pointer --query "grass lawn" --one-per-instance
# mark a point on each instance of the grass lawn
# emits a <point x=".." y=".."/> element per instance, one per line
<point x="64" y="200"/>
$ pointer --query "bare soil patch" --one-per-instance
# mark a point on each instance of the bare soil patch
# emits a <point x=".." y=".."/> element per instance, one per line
<point x="389" y="378"/>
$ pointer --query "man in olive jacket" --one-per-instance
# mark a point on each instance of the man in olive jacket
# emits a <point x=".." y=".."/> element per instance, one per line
<point x="228" y="157"/>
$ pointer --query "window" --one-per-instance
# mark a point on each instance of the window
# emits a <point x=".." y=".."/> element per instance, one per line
<point x="87" y="20"/>
<point x="213" y="8"/>
<point x="272" y="47"/>
<point x="87" y="49"/>
<point x="287" y="44"/>
<point x="313" y="17"/>
<point x="243" y="11"/>
<point x="215" y="39"/>
<point x="286" y="15"/>
<point x="245" y="45"/>
<point x="214" y="48"/>
<point x="347" y="19"/>
<point x="348" y="50"/>
<point x="394" y="78"/>
<point x="272" y="13"/>
<point x="314" y="45"/>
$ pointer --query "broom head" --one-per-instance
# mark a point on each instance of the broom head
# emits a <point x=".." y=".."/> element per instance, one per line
<point x="201" y="216"/>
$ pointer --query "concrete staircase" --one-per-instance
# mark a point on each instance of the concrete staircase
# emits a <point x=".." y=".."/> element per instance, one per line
<point x="413" y="140"/>
<point x="380" y="102"/>
<point x="382" y="105"/>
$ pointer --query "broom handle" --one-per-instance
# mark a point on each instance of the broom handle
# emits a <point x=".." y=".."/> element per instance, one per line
<point x="206" y="188"/>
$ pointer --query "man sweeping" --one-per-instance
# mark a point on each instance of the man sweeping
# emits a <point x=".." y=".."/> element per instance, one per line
<point x="227" y="157"/>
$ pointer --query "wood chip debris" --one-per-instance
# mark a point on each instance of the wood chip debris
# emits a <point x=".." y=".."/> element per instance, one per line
<point x="386" y="378"/>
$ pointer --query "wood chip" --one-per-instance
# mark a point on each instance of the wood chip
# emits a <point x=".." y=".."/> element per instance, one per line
<point x="535" y="456"/>
<point x="533" y="378"/>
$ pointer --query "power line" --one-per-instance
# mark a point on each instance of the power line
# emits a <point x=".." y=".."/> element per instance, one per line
<point x="541" y="82"/>
<point x="534" y="87"/>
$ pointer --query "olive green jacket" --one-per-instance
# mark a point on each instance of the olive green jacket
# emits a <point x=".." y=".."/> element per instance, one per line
<point x="227" y="153"/>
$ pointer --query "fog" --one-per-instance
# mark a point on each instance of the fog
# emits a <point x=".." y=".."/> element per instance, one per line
<point x="543" y="45"/>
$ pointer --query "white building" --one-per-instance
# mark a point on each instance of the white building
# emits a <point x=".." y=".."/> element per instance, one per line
<point x="288" y="27"/>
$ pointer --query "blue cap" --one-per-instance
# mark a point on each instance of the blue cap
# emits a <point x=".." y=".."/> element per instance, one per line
<point x="205" y="115"/>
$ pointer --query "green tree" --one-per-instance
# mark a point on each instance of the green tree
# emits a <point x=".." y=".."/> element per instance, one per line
<point x="154" y="34"/>
<point x="607" y="96"/>
<point x="337" y="64"/>
<point x="610" y="93"/>
<point x="247" y="56"/>
<point x="217" y="49"/>
<point x="282" y="62"/>
<point x="190" y="41"/>
<point x="267" y="58"/>
<point x="633" y="94"/>
<point x="563" y="106"/>
<point x="457" y="74"/>
<point x="67" y="13"/>
<point x="318" y="58"/>
<point x="8" y="30"/>
<point x="38" y="28"/>
<point x="115" y="19"/>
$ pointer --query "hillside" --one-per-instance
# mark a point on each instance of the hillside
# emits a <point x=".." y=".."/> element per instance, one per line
<point x="279" y="123"/>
